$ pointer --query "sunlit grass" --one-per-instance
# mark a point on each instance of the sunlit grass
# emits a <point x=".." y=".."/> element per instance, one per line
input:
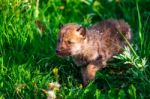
<point x="28" y="62"/>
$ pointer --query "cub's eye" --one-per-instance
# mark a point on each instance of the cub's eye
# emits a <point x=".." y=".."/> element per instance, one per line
<point x="69" y="42"/>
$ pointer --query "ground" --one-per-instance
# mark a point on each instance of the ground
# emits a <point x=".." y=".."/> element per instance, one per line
<point x="28" y="62"/>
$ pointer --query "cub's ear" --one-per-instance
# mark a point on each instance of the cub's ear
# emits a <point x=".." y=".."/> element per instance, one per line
<point x="82" y="30"/>
<point x="61" y="25"/>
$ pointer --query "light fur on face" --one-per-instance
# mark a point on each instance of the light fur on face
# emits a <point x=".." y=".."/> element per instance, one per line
<point x="76" y="49"/>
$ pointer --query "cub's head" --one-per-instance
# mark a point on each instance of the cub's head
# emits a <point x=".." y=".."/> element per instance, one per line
<point x="70" y="40"/>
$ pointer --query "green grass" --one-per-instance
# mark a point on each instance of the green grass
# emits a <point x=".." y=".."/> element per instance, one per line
<point x="28" y="62"/>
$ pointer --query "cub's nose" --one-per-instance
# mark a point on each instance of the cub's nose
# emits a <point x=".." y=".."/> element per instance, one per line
<point x="57" y="51"/>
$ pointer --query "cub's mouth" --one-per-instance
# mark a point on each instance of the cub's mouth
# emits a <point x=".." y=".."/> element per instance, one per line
<point x="63" y="52"/>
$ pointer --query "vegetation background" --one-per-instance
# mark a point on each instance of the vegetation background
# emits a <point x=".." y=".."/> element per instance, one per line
<point x="28" y="36"/>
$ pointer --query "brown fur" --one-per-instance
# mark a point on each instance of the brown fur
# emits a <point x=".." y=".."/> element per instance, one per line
<point x="93" y="46"/>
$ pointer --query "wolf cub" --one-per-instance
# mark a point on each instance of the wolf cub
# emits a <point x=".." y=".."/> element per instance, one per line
<point x="92" y="47"/>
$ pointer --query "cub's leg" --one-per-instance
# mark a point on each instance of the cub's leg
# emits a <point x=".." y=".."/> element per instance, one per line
<point x="88" y="73"/>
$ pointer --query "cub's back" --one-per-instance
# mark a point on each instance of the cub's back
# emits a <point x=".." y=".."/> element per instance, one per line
<point x="113" y="27"/>
<point x="110" y="34"/>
